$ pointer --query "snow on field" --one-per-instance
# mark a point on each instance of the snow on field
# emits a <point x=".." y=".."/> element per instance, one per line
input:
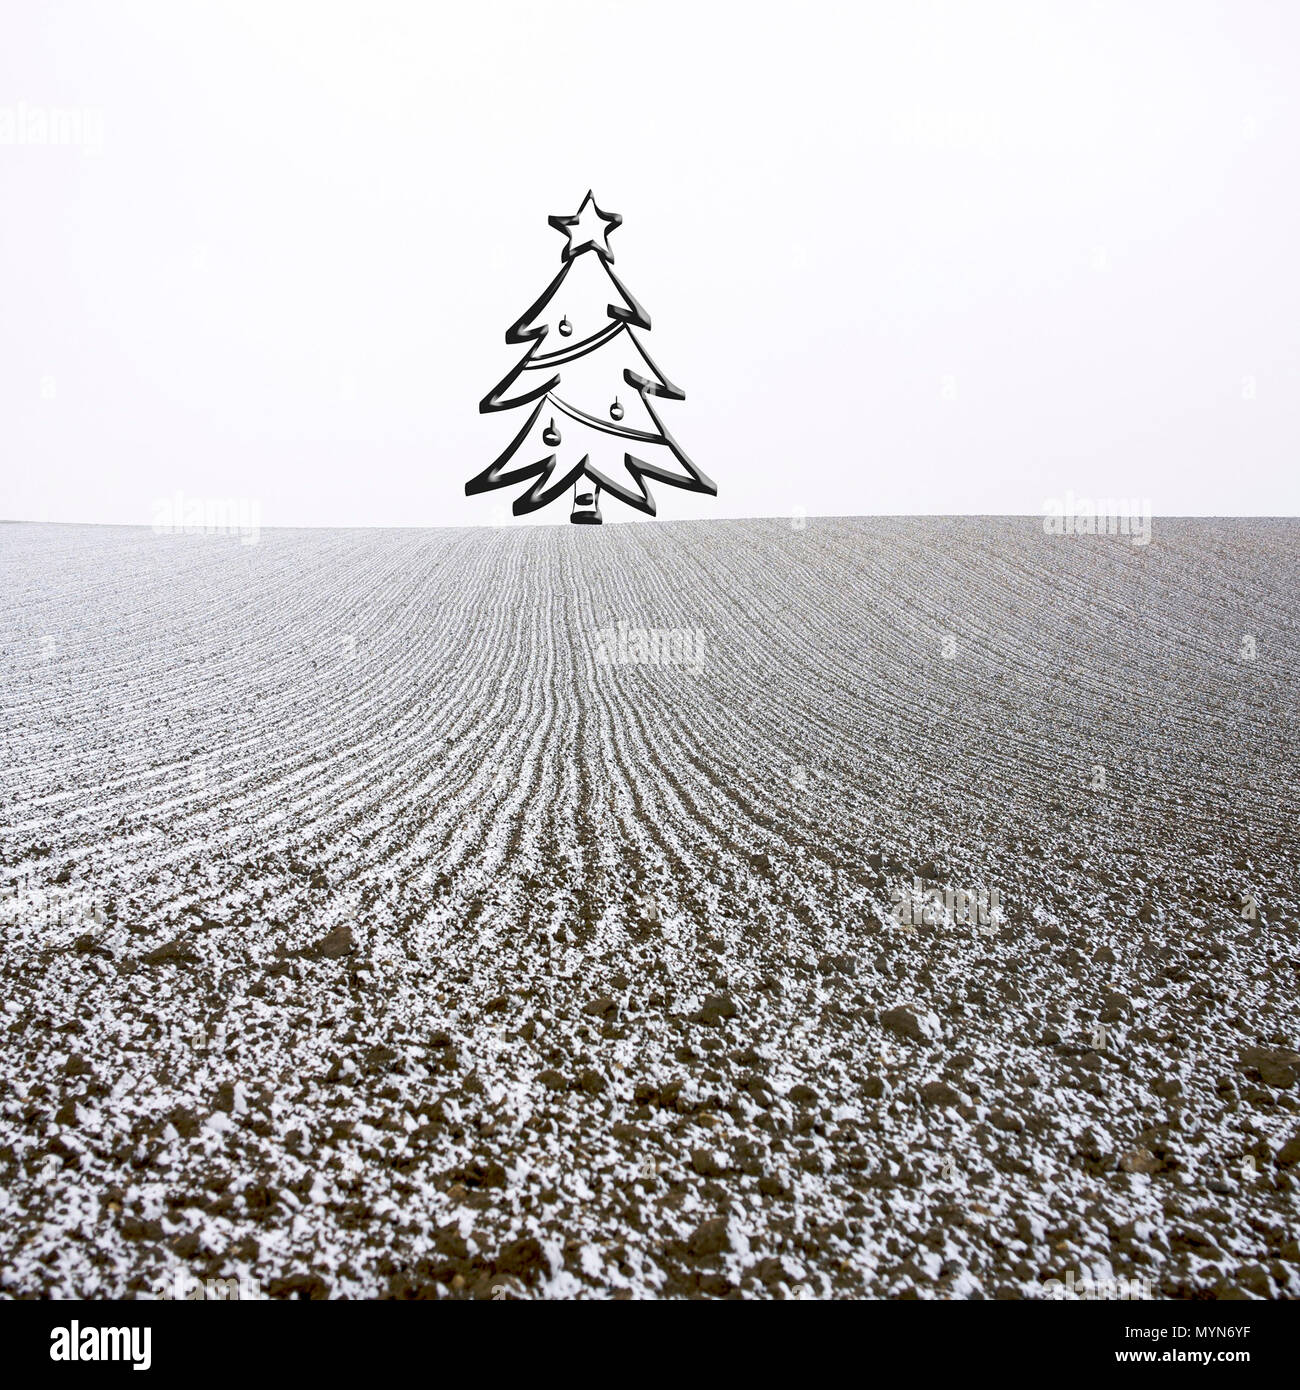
<point x="913" y="913"/>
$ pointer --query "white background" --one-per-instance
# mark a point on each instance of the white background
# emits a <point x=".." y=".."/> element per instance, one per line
<point x="901" y="257"/>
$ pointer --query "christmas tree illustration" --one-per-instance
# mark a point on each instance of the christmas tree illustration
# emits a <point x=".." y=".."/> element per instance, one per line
<point x="587" y="384"/>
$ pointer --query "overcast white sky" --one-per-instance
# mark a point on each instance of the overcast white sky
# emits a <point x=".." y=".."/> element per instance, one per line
<point x="901" y="257"/>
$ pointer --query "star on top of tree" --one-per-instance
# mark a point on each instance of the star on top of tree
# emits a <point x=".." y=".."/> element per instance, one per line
<point x="588" y="228"/>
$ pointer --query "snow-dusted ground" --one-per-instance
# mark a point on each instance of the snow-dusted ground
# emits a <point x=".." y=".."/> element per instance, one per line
<point x="366" y="934"/>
